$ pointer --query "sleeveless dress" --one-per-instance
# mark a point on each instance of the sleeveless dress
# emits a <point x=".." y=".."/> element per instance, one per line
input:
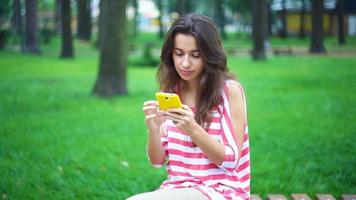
<point x="188" y="166"/>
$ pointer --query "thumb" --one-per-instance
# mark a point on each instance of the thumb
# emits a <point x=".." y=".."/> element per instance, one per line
<point x="186" y="107"/>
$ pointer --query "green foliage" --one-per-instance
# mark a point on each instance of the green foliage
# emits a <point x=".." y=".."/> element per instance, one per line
<point x="5" y="10"/>
<point x="145" y="50"/>
<point x="147" y="58"/>
<point x="4" y="35"/>
<point x="240" y="6"/>
<point x="59" y="142"/>
<point x="46" y="35"/>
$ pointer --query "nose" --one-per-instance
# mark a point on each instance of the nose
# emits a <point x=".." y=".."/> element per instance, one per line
<point x="186" y="62"/>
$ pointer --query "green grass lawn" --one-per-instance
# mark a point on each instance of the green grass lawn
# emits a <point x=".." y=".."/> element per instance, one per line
<point x="59" y="142"/>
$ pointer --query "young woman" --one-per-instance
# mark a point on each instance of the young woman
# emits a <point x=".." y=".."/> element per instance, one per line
<point x="205" y="144"/>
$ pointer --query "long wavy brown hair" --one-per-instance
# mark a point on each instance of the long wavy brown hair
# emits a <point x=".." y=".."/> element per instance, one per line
<point x="215" y="70"/>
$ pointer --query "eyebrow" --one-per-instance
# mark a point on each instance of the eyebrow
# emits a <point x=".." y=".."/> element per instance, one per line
<point x="193" y="51"/>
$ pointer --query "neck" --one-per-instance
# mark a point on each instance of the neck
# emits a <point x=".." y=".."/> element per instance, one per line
<point x="189" y="92"/>
<point x="191" y="87"/>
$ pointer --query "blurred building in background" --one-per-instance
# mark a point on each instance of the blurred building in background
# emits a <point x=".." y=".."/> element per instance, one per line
<point x="293" y="11"/>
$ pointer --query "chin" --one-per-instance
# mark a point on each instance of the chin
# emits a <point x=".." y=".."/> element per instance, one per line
<point x="186" y="78"/>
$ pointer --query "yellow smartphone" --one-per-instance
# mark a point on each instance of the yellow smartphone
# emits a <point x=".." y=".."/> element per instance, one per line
<point x="168" y="100"/>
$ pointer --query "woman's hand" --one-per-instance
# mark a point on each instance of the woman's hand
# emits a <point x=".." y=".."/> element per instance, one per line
<point x="183" y="118"/>
<point x="152" y="119"/>
<point x="155" y="150"/>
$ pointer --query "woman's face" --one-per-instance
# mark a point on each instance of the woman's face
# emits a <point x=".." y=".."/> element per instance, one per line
<point x="187" y="58"/>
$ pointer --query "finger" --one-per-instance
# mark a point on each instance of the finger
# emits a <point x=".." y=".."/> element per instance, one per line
<point x="180" y="111"/>
<point x="161" y="112"/>
<point x="178" y="118"/>
<point x="171" y="114"/>
<point x="148" y="117"/>
<point x="175" y="110"/>
<point x="146" y="108"/>
<point x="174" y="120"/>
<point x="186" y="107"/>
<point x="149" y="110"/>
<point x="150" y="102"/>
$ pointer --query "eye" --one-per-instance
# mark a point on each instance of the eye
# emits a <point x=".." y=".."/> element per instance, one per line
<point x="178" y="53"/>
<point x="196" y="55"/>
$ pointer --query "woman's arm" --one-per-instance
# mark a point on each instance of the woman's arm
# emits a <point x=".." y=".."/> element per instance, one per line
<point x="155" y="150"/>
<point x="238" y="114"/>
<point x="217" y="152"/>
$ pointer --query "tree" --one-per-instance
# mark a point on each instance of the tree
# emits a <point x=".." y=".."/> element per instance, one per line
<point x="57" y="20"/>
<point x="17" y="23"/>
<point x="243" y="8"/>
<point x="111" y="78"/>
<point x="135" y="19"/>
<point x="31" y="33"/>
<point x="340" y="22"/>
<point x="16" y="17"/>
<point x="98" y="39"/>
<point x="84" y="20"/>
<point x="240" y="6"/>
<point x="259" y="28"/>
<point x="5" y="10"/>
<point x="219" y="16"/>
<point x="67" y="41"/>
<point x="302" y="20"/>
<point x="184" y="7"/>
<point x="283" y="31"/>
<point x="159" y="5"/>
<point x="317" y="38"/>
<point x="270" y="18"/>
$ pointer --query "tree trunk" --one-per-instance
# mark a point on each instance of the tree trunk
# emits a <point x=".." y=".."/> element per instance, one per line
<point x="84" y="20"/>
<point x="160" y="33"/>
<point x="58" y="24"/>
<point x="67" y="41"/>
<point x="283" y="33"/>
<point x="16" y="17"/>
<point x="17" y="23"/>
<point x="220" y="17"/>
<point x="98" y="39"/>
<point x="302" y="20"/>
<point x="317" y="38"/>
<point x="135" y="20"/>
<point x="111" y="78"/>
<point x="270" y="18"/>
<point x="340" y="22"/>
<point x="259" y="28"/>
<point x="31" y="37"/>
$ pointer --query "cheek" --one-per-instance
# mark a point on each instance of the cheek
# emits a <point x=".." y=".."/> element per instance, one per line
<point x="200" y="65"/>
<point x="175" y="63"/>
<point x="175" y="60"/>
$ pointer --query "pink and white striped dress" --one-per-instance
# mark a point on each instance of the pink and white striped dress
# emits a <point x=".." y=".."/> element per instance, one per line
<point x="188" y="166"/>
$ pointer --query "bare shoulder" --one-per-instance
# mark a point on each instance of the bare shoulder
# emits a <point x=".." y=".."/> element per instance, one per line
<point x="237" y="104"/>
<point x="235" y="90"/>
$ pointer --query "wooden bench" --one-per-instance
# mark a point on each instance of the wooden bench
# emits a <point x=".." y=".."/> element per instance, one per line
<point x="279" y="51"/>
<point x="304" y="197"/>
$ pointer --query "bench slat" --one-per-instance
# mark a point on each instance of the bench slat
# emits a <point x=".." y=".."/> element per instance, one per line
<point x="300" y="197"/>
<point x="348" y="196"/>
<point x="325" y="197"/>
<point x="255" y="197"/>
<point x="276" y="197"/>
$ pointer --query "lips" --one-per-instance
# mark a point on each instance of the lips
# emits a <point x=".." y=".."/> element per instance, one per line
<point x="186" y="72"/>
